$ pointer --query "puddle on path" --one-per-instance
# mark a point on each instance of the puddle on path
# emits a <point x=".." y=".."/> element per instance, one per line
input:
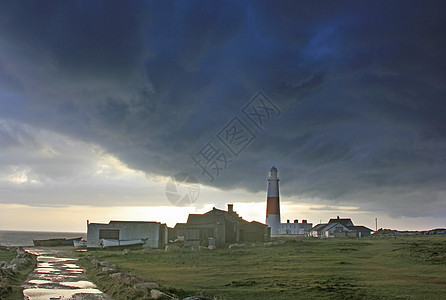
<point x="57" y="276"/>
<point x="45" y="294"/>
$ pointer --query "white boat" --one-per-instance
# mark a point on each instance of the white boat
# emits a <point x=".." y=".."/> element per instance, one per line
<point x="80" y="244"/>
<point x="107" y="243"/>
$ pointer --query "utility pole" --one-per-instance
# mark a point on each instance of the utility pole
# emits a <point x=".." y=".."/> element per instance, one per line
<point x="376" y="224"/>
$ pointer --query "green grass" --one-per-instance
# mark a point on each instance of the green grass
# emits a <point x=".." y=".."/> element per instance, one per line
<point x="6" y="255"/>
<point x="17" y="279"/>
<point x="116" y="289"/>
<point x="412" y="267"/>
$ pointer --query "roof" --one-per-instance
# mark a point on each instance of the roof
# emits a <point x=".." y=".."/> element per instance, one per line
<point x="326" y="227"/>
<point x="318" y="227"/>
<point x="122" y="222"/>
<point x="215" y="215"/>
<point x="346" y="222"/>
<point x="257" y="223"/>
<point x="180" y="225"/>
<point x="360" y="228"/>
<point x="144" y="222"/>
<point x="333" y="225"/>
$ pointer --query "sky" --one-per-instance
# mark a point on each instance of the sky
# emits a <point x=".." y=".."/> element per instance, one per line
<point x="104" y="103"/>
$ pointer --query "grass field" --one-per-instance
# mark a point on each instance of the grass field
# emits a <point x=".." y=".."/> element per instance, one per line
<point x="412" y="267"/>
<point x="6" y="255"/>
<point x="17" y="279"/>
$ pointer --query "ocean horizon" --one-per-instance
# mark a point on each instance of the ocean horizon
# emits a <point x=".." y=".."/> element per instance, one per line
<point x="25" y="238"/>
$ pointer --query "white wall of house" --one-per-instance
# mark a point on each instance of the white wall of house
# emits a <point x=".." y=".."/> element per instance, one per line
<point x="291" y="228"/>
<point x="294" y="228"/>
<point x="328" y="230"/>
<point x="314" y="234"/>
<point x="128" y="231"/>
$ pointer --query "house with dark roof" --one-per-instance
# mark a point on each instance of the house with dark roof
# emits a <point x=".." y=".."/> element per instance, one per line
<point x="218" y="227"/>
<point x="361" y="231"/>
<point x="317" y="231"/>
<point x="338" y="228"/>
<point x="346" y="222"/>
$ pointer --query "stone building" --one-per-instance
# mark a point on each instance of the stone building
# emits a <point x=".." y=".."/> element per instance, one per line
<point x="218" y="227"/>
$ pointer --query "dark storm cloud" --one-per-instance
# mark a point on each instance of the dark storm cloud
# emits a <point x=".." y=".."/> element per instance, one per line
<point x="360" y="86"/>
<point x="85" y="37"/>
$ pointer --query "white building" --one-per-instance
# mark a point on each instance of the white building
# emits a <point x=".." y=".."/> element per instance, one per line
<point x="340" y="228"/>
<point x="295" y="228"/>
<point x="155" y="233"/>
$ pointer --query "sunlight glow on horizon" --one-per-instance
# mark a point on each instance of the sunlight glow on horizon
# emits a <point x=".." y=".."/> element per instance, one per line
<point x="74" y="218"/>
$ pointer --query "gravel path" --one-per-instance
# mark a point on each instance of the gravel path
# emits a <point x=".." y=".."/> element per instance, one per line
<point x="58" y="276"/>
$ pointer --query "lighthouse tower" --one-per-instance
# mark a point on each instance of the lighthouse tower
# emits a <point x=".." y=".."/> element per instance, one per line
<point x="272" y="202"/>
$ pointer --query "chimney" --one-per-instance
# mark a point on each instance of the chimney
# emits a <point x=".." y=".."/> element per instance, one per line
<point x="338" y="217"/>
<point x="296" y="221"/>
<point x="288" y="221"/>
<point x="231" y="208"/>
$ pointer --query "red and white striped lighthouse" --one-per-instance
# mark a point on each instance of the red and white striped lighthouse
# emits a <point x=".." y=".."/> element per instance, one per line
<point x="272" y="202"/>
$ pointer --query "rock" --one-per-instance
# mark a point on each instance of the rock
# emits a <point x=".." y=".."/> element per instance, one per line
<point x="7" y="270"/>
<point x="155" y="294"/>
<point x="107" y="264"/>
<point x="172" y="248"/>
<point x="108" y="270"/>
<point x="268" y="244"/>
<point x="96" y="262"/>
<point x="19" y="261"/>
<point x="14" y="268"/>
<point x="23" y="255"/>
<point x="146" y="286"/>
<point x="125" y="278"/>
<point x="197" y="298"/>
<point x="236" y="246"/>
<point x="212" y="247"/>
<point x="116" y="276"/>
<point x="126" y="251"/>
<point x="148" y="250"/>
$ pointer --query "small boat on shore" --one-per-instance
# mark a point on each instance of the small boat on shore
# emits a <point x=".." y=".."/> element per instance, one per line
<point x="107" y="243"/>
<point x="56" y="242"/>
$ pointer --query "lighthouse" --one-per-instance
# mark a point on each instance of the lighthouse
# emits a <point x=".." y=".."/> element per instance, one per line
<point x="272" y="202"/>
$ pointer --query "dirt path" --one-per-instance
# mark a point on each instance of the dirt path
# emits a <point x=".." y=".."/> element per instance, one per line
<point x="58" y="276"/>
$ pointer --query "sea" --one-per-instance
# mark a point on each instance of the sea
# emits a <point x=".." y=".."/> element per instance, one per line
<point x="25" y="238"/>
